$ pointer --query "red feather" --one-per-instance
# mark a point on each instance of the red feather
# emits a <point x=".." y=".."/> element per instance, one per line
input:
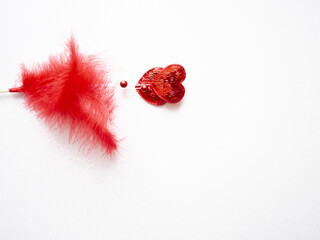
<point x="73" y="90"/>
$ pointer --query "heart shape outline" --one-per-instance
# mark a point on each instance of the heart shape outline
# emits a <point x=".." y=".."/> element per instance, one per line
<point x="161" y="85"/>
<point x="168" y="83"/>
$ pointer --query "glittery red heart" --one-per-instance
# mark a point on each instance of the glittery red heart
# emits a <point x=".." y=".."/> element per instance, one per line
<point x="149" y="95"/>
<point x="167" y="84"/>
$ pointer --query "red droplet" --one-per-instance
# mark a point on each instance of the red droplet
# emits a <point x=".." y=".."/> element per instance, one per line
<point x="148" y="94"/>
<point x="123" y="84"/>
<point x="167" y="84"/>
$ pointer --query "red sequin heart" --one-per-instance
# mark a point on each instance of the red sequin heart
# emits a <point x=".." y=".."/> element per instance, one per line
<point x="149" y="95"/>
<point x="167" y="84"/>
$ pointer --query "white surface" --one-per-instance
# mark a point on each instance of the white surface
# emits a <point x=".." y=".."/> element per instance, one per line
<point x="239" y="158"/>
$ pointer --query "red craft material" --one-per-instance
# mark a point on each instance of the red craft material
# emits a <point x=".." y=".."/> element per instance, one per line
<point x="167" y="84"/>
<point x="72" y="91"/>
<point x="149" y="95"/>
<point x="123" y="84"/>
<point x="160" y="85"/>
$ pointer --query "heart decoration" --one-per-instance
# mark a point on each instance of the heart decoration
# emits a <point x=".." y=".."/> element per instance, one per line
<point x="160" y="85"/>
<point x="149" y="94"/>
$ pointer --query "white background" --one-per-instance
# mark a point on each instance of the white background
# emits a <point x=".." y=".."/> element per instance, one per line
<point x="238" y="158"/>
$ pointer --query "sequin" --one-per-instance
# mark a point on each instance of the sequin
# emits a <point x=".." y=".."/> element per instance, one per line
<point x="167" y="84"/>
<point x="149" y="95"/>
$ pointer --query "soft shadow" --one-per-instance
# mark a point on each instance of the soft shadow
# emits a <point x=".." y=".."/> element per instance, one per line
<point x="80" y="154"/>
<point x="124" y="92"/>
<point x="173" y="106"/>
<point x="11" y="95"/>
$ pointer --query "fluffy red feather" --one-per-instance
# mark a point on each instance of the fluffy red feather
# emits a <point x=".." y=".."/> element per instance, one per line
<point x="73" y="91"/>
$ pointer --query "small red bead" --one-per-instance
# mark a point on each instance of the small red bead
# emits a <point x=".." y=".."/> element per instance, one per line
<point x="123" y="84"/>
<point x="144" y="88"/>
